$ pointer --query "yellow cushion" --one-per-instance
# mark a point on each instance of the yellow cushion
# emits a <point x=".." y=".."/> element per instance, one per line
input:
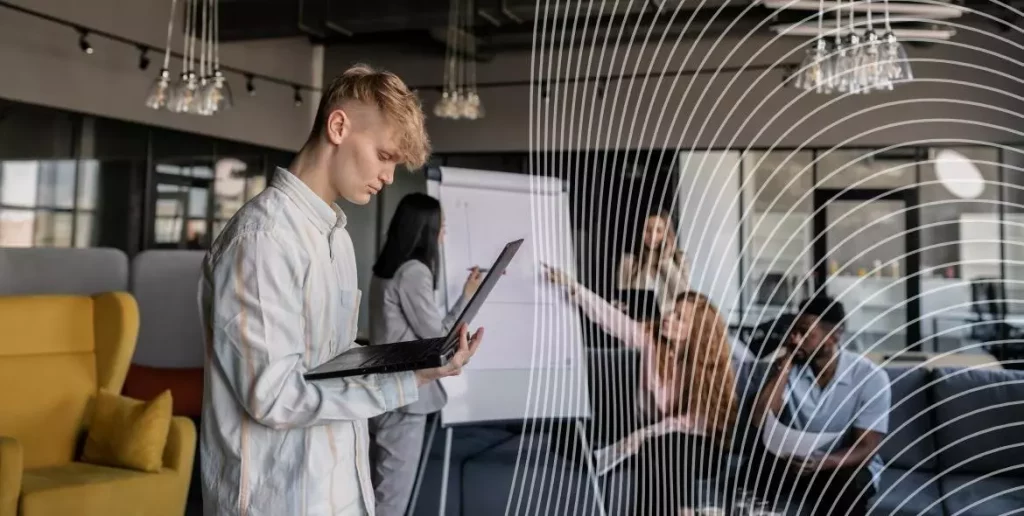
<point x="128" y="433"/>
<point x="86" y="490"/>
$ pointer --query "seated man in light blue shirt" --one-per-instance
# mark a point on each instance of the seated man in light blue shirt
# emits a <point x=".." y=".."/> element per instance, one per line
<point x="817" y="387"/>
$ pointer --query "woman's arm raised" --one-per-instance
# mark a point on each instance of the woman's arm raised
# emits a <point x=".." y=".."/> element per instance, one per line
<point x="603" y="313"/>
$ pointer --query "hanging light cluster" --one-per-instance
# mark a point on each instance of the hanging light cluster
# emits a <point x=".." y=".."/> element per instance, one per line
<point x="849" y="62"/>
<point x="460" y="98"/>
<point x="202" y="89"/>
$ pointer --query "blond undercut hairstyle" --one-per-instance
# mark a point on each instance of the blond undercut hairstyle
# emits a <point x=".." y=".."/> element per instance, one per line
<point x="400" y="107"/>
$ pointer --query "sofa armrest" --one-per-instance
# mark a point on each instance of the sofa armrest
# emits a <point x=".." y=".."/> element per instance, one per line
<point x="11" y="467"/>
<point x="180" y="452"/>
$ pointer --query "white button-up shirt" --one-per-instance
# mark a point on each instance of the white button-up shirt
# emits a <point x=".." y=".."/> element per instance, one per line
<point x="278" y="297"/>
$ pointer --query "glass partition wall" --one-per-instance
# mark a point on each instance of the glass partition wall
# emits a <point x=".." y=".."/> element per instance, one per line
<point x="913" y="241"/>
<point x="72" y="180"/>
<point x="923" y="245"/>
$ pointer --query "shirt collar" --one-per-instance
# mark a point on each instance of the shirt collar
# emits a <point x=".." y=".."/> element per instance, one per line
<point x="325" y="217"/>
<point x="841" y="377"/>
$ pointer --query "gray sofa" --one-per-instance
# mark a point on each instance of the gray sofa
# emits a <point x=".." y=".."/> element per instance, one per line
<point x="955" y="447"/>
<point x="956" y="443"/>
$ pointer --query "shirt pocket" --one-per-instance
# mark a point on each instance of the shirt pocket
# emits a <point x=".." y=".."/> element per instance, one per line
<point x="348" y="325"/>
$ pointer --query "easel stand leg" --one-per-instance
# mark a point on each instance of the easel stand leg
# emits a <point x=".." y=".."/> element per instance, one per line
<point x="589" y="455"/>
<point x="423" y="465"/>
<point x="444" y="470"/>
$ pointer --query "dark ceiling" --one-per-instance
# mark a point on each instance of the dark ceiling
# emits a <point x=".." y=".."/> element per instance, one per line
<point x="498" y="25"/>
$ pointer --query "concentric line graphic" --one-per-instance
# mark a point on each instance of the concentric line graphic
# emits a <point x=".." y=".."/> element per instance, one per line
<point x="796" y="257"/>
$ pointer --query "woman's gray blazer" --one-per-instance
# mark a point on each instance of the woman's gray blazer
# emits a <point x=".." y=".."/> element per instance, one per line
<point x="404" y="308"/>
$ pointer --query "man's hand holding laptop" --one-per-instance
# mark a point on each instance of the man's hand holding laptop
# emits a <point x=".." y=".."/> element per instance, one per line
<point x="467" y="348"/>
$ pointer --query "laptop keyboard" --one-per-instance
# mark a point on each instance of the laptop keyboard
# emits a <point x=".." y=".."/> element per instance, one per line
<point x="426" y="349"/>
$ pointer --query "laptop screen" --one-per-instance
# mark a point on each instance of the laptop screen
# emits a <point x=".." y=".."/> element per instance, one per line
<point x="485" y="287"/>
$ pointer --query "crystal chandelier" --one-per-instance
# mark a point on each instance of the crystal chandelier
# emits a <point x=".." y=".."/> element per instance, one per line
<point x="460" y="99"/>
<point x="853" y="62"/>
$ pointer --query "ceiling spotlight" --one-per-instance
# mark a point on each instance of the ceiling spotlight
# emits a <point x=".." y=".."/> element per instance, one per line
<point x="143" y="58"/>
<point x="298" y="96"/>
<point x="249" y="86"/>
<point x="83" y="43"/>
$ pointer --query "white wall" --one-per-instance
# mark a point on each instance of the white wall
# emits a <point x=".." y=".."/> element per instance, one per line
<point x="709" y="222"/>
<point x="42" y="64"/>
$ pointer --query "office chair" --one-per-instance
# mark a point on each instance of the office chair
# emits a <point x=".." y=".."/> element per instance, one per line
<point x="984" y="327"/>
<point x="1003" y="341"/>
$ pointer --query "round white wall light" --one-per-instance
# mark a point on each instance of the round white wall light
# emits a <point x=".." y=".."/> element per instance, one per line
<point x="958" y="174"/>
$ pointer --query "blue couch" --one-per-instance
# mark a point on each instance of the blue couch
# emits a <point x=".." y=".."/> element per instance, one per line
<point x="955" y="447"/>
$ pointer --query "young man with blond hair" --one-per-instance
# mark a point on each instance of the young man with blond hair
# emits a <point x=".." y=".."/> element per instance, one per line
<point x="279" y="296"/>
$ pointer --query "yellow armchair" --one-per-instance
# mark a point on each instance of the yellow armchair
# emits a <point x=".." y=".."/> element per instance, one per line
<point x="55" y="354"/>
<point x="10" y="476"/>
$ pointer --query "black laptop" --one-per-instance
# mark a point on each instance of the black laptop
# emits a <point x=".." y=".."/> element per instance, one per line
<point x="415" y="354"/>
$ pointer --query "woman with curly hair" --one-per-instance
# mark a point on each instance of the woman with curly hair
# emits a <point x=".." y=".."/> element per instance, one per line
<point x="687" y="386"/>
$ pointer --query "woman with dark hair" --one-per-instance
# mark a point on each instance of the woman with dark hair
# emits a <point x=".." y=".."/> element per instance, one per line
<point x="403" y="308"/>
<point x="657" y="264"/>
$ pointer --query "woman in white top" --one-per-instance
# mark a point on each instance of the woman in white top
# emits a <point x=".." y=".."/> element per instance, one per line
<point x="657" y="265"/>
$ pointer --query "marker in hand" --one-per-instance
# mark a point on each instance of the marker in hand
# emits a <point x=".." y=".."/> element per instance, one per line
<point x="483" y="270"/>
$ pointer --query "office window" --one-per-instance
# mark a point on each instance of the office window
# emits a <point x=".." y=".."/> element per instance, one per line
<point x="75" y="180"/>
<point x="37" y="176"/>
<point x="38" y="203"/>
<point x="183" y="176"/>
<point x="960" y="215"/>
<point x="239" y="174"/>
<point x="777" y="226"/>
<point x="1013" y="231"/>
<point x="112" y="184"/>
<point x="866" y="168"/>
